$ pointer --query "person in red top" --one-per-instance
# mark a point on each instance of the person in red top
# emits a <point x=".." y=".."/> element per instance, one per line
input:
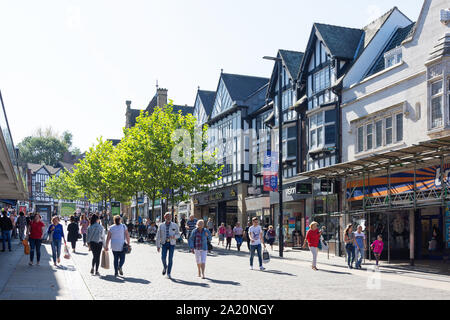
<point x="313" y="238"/>
<point x="34" y="234"/>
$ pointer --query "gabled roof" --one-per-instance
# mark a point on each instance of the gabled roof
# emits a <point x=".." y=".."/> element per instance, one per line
<point x="398" y="37"/>
<point x="341" y="41"/>
<point x="240" y="87"/>
<point x="257" y="100"/>
<point x="292" y="60"/>
<point x="67" y="166"/>
<point x="372" y="28"/>
<point x="153" y="103"/>
<point x="36" y="167"/>
<point x="207" y="98"/>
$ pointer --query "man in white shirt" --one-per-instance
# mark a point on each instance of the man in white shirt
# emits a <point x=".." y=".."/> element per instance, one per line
<point x="256" y="238"/>
<point x="166" y="236"/>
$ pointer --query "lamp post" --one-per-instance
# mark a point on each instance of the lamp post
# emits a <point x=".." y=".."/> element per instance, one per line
<point x="280" y="153"/>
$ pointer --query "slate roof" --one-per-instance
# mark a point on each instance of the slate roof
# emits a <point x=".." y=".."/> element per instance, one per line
<point x="68" y="166"/>
<point x="372" y="28"/>
<point x="292" y="60"/>
<point x="257" y="100"/>
<point x="134" y="113"/>
<point x="207" y="98"/>
<point x="152" y="103"/>
<point x="399" y="36"/>
<point x="341" y="41"/>
<point x="184" y="109"/>
<point x="240" y="87"/>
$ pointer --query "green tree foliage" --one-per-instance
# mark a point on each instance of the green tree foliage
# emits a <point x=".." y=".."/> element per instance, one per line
<point x="63" y="187"/>
<point x="45" y="146"/>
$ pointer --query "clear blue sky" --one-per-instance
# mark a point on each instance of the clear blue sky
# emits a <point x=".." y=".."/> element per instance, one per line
<point x="72" y="64"/>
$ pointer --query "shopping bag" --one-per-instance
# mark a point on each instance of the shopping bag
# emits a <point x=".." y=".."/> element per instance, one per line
<point x="66" y="252"/>
<point x="323" y="245"/>
<point x="266" y="256"/>
<point x="105" y="260"/>
<point x="26" y="247"/>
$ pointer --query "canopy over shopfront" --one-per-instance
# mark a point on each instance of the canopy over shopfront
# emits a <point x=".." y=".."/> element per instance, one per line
<point x="411" y="178"/>
<point x="11" y="184"/>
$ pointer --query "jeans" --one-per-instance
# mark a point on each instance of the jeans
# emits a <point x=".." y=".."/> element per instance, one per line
<point x="360" y="253"/>
<point x="96" y="248"/>
<point x="84" y="238"/>
<point x="238" y="242"/>
<point x="35" y="243"/>
<point x="56" y="249"/>
<point x="167" y="247"/>
<point x="350" y="254"/>
<point x="252" y="254"/>
<point x="21" y="232"/>
<point x="314" y="252"/>
<point x="119" y="260"/>
<point x="6" y="236"/>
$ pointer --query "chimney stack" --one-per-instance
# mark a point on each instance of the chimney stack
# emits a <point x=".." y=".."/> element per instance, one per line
<point x="128" y="103"/>
<point x="161" y="97"/>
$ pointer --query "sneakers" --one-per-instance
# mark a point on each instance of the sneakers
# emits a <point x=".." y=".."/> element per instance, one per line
<point x="97" y="273"/>
<point x="262" y="268"/>
<point x="92" y="271"/>
<point x="168" y="276"/>
<point x="251" y="267"/>
<point x="120" y="271"/>
<point x="30" y="263"/>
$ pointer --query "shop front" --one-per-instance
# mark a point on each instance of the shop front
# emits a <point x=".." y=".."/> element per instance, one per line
<point x="259" y="206"/>
<point x="294" y="213"/>
<point x="220" y="205"/>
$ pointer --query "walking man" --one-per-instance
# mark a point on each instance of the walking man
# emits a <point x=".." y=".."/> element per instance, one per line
<point x="256" y="239"/>
<point x="191" y="224"/>
<point x="166" y="237"/>
<point x="360" y="239"/>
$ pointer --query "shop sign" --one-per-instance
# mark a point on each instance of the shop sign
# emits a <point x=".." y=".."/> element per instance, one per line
<point x="326" y="186"/>
<point x="67" y="209"/>
<point x="303" y="188"/>
<point x="216" y="196"/>
<point x="292" y="223"/>
<point x="233" y="193"/>
<point x="291" y="191"/>
<point x="401" y="182"/>
<point x="115" y="208"/>
<point x="270" y="171"/>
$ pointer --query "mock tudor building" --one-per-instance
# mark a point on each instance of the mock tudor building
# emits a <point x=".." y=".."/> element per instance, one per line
<point x="235" y="95"/>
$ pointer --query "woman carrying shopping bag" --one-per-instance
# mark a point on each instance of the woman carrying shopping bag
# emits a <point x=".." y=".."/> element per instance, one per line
<point x="95" y="239"/>
<point x="57" y="232"/>
<point x="120" y="242"/>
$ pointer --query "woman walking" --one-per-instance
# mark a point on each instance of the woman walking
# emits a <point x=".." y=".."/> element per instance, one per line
<point x="238" y="232"/>
<point x="95" y="239"/>
<point x="313" y="238"/>
<point x="222" y="233"/>
<point x="84" y="224"/>
<point x="198" y="242"/>
<point x="118" y="235"/>
<point x="34" y="234"/>
<point x="349" y="240"/>
<point x="57" y="235"/>
<point x="271" y="236"/>
<point x="229" y="235"/>
<point x="73" y="232"/>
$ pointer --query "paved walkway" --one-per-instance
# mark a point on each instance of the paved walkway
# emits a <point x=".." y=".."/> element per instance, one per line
<point x="228" y="277"/>
<point x="18" y="280"/>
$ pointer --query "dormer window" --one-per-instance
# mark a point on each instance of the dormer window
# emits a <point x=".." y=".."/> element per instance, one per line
<point x="393" y="57"/>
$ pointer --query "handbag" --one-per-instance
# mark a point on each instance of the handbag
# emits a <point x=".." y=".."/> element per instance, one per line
<point x="80" y="236"/>
<point x="105" y="260"/>
<point x="266" y="256"/>
<point x="126" y="247"/>
<point x="26" y="247"/>
<point x="210" y="246"/>
<point x="66" y="252"/>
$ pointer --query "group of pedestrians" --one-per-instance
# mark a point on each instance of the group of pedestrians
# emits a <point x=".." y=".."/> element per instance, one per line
<point x="355" y="246"/>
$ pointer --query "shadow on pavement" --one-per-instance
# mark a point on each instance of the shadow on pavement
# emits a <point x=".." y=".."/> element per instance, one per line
<point x="335" y="272"/>
<point x="189" y="283"/>
<point x="233" y="283"/>
<point x="281" y="273"/>
<point x="80" y="253"/>
<point x="119" y="279"/>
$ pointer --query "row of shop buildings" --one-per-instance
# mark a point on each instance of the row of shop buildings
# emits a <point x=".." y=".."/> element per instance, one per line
<point x="365" y="135"/>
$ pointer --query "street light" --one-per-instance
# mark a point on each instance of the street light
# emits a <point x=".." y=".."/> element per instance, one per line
<point x="280" y="153"/>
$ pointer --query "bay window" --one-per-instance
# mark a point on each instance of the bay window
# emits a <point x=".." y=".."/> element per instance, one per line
<point x="388" y="127"/>
<point x="436" y="105"/>
<point x="369" y="136"/>
<point x="379" y="133"/>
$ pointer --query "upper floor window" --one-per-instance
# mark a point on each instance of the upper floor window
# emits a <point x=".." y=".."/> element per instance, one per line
<point x="321" y="80"/>
<point x="393" y="57"/>
<point x="381" y="132"/>
<point x="436" y="104"/>
<point x="322" y="129"/>
<point x="289" y="142"/>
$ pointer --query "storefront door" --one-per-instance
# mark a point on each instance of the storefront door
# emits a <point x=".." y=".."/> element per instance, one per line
<point x="431" y="226"/>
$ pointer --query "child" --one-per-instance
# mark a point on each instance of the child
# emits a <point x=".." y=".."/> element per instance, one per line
<point x="229" y="234"/>
<point x="377" y="247"/>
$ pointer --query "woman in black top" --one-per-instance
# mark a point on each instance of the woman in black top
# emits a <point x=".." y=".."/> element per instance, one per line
<point x="73" y="230"/>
